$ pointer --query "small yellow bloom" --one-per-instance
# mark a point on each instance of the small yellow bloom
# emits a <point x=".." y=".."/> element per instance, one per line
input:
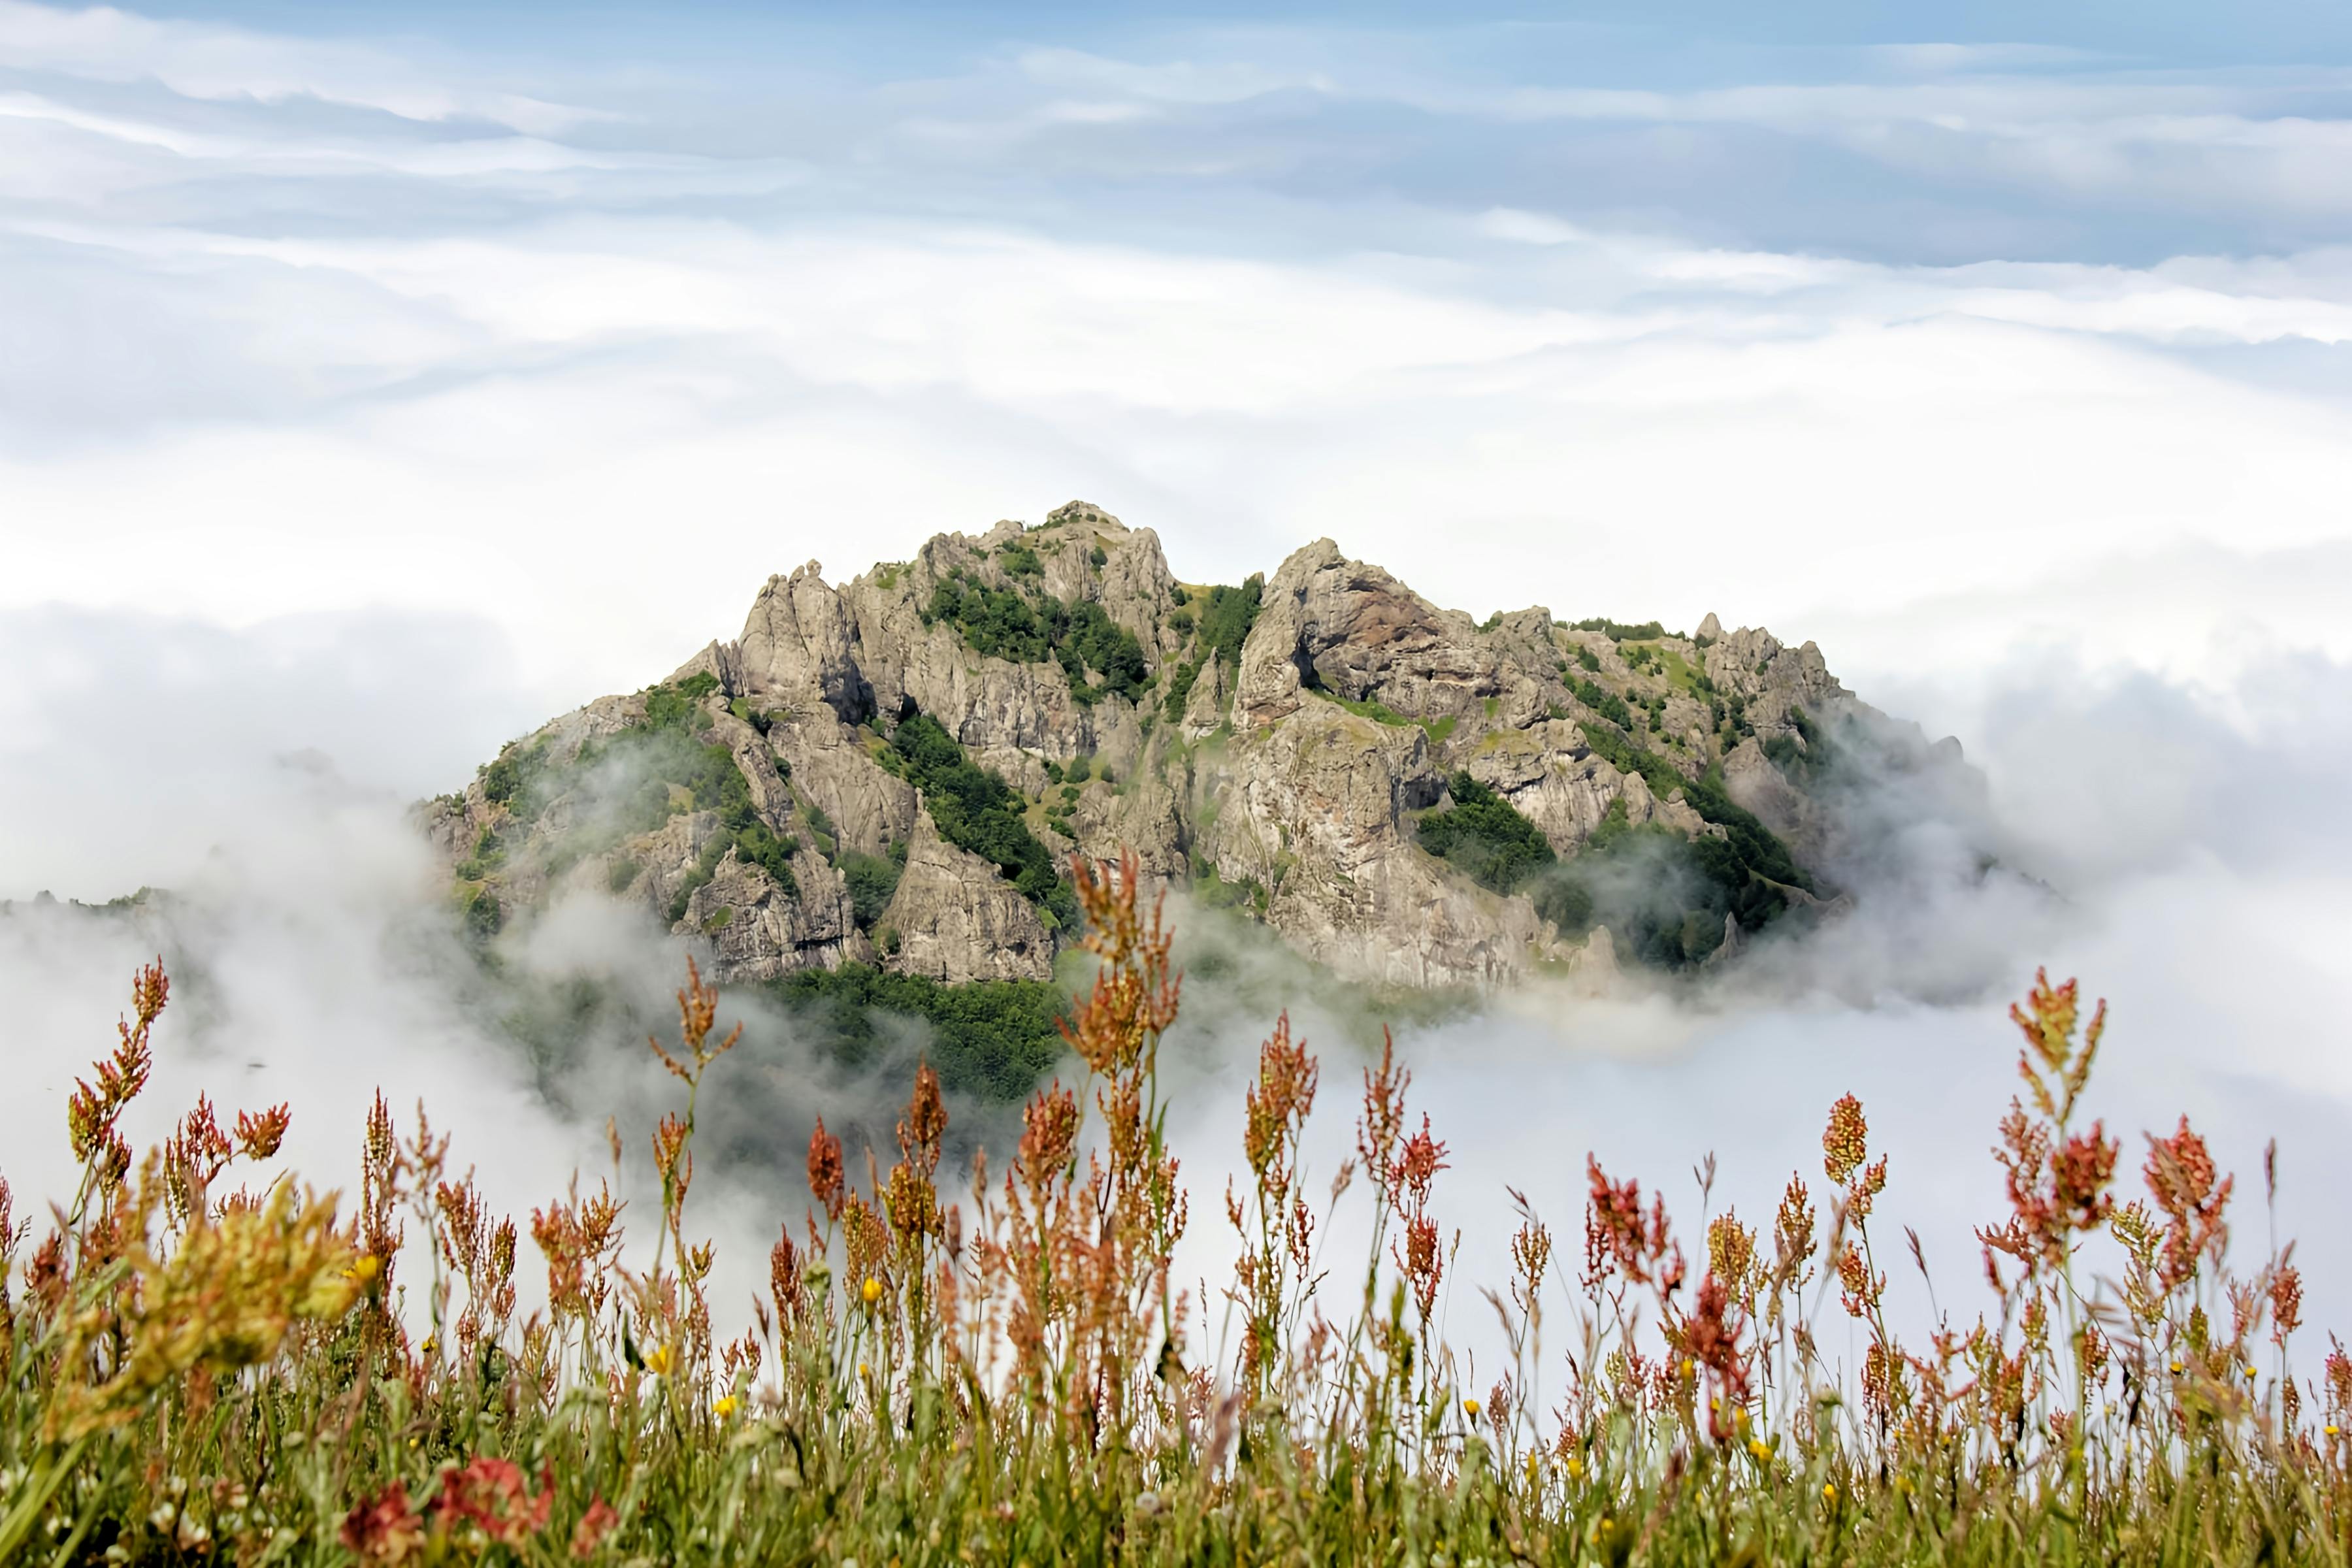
<point x="364" y="1269"/>
<point x="1756" y="1446"/>
<point x="2177" y="1369"/>
<point x="2332" y="1430"/>
<point x="726" y="1406"/>
<point x="658" y="1360"/>
<point x="1829" y="1492"/>
<point x="430" y="1346"/>
<point x="872" y="1290"/>
<point x="2250" y="1375"/>
<point x="862" y="1370"/>
<point x="1575" y="1468"/>
<point x="1470" y="1408"/>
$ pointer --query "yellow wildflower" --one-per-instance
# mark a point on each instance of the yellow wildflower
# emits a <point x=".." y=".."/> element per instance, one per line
<point x="726" y="1406"/>
<point x="872" y="1290"/>
<point x="1470" y="1408"/>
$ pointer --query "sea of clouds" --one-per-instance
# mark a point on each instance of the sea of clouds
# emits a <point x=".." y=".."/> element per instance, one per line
<point x="2170" y="844"/>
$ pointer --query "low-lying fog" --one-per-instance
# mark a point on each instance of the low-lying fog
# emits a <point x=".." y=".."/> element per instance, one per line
<point x="2189" y="834"/>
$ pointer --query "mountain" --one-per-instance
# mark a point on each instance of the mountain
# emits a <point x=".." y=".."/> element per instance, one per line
<point x="893" y="773"/>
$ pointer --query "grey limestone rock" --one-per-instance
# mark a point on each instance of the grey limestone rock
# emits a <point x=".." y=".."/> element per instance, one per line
<point x="1301" y="772"/>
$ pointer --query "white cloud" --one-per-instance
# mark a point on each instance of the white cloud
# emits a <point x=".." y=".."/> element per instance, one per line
<point x="1173" y="81"/>
<point x="221" y="63"/>
<point x="507" y="423"/>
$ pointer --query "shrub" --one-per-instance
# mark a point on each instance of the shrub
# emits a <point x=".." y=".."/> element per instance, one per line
<point x="994" y="1038"/>
<point x="1621" y="631"/>
<point x="1483" y="836"/>
<point x="977" y="811"/>
<point x="873" y="882"/>
<point x="1606" y="703"/>
<point x="1224" y="625"/>
<point x="1033" y="627"/>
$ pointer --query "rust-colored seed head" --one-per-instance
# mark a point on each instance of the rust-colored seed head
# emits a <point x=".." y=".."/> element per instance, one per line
<point x="259" y="1136"/>
<point x="2287" y="1301"/>
<point x="925" y="1124"/>
<point x="827" y="1182"/>
<point x="1846" y="1144"/>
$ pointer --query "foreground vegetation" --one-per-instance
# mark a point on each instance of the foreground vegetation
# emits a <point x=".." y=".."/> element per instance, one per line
<point x="199" y="1370"/>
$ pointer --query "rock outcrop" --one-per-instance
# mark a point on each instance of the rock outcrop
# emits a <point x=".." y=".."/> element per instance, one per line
<point x="778" y="796"/>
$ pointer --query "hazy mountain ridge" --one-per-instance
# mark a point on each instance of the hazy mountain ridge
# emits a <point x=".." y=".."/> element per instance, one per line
<point x="893" y="771"/>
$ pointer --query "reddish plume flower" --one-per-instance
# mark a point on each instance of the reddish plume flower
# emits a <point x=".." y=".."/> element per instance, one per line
<point x="494" y="1495"/>
<point x="1617" y="1239"/>
<point x="2287" y="1302"/>
<point x="1710" y="1337"/>
<point x="1049" y="1135"/>
<point x="1382" y="1124"/>
<point x="2193" y="1195"/>
<point x="384" y="1529"/>
<point x="2081" y="1173"/>
<point x="1278" y="1100"/>
<point x="1860" y="1287"/>
<point x="828" y="1185"/>
<point x="924" y="1127"/>
<point x="593" y="1526"/>
<point x="1417" y="1164"/>
<point x="259" y="1136"/>
<point x="1845" y="1143"/>
<point x="1424" y="1266"/>
<point x="784" y="1275"/>
<point x="1792" y="1227"/>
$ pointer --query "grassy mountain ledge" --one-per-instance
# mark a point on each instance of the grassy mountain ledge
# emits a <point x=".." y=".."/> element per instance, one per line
<point x="885" y="777"/>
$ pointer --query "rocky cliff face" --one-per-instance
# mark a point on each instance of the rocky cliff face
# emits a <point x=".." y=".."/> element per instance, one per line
<point x="892" y="771"/>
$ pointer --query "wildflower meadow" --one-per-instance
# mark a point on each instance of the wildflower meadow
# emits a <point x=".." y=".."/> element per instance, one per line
<point x="202" y="1366"/>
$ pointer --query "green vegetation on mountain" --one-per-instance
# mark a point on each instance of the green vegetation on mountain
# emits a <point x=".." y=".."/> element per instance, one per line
<point x="976" y="810"/>
<point x="872" y="879"/>
<point x="1808" y="762"/>
<point x="1606" y="703"/>
<point x="994" y="1038"/>
<point x="1224" y="623"/>
<point x="1484" y="837"/>
<point x="1029" y="626"/>
<point x="1621" y="631"/>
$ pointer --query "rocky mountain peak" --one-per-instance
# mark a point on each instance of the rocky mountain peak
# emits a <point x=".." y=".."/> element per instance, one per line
<point x="893" y="771"/>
